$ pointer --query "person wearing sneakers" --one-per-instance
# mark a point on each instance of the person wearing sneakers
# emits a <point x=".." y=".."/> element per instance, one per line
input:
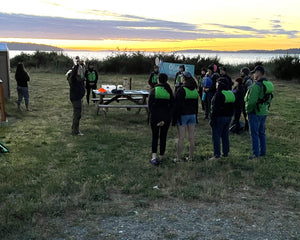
<point x="77" y="92"/>
<point x="257" y="103"/>
<point x="185" y="114"/>
<point x="221" y="114"/>
<point x="91" y="77"/>
<point x="161" y="102"/>
<point x="153" y="77"/>
<point x="178" y="77"/>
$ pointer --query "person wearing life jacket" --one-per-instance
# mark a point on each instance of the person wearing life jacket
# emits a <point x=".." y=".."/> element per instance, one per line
<point x="185" y="114"/>
<point x="221" y="114"/>
<point x="178" y="77"/>
<point x="153" y="77"/>
<point x="257" y="102"/>
<point x="161" y="102"/>
<point x="77" y="92"/>
<point x="247" y="83"/>
<point x="200" y="87"/>
<point x="91" y="77"/>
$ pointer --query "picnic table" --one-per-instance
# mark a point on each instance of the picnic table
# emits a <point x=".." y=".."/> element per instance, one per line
<point x="137" y="97"/>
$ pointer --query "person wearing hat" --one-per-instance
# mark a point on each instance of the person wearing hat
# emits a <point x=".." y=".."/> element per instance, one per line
<point x="239" y="93"/>
<point x="91" y="77"/>
<point x="77" y="92"/>
<point x="221" y="114"/>
<point x="153" y="77"/>
<point x="185" y="114"/>
<point x="200" y="86"/>
<point x="247" y="82"/>
<point x="257" y="111"/>
<point x="161" y="102"/>
<point x="223" y="73"/>
<point x="178" y="77"/>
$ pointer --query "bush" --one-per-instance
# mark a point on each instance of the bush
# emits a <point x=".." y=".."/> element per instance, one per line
<point x="286" y="68"/>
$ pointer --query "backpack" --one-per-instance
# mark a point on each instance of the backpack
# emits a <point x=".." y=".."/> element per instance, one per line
<point x="268" y="89"/>
<point x="207" y="82"/>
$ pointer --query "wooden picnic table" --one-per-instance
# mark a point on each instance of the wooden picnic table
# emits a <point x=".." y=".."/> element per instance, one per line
<point x="138" y="97"/>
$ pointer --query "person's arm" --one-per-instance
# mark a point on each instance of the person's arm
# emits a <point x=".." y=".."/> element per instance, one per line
<point x="251" y="98"/>
<point x="96" y="76"/>
<point x="151" y="100"/>
<point x="150" y="80"/>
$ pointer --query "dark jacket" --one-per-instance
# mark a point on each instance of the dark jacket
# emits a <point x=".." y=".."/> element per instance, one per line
<point x="218" y="106"/>
<point x="229" y="81"/>
<point x="77" y="90"/>
<point x="161" y="109"/>
<point x="87" y="74"/>
<point x="153" y="79"/>
<point x="178" y="82"/>
<point x="239" y="92"/>
<point x="22" y="79"/>
<point x="183" y="105"/>
<point x="214" y="78"/>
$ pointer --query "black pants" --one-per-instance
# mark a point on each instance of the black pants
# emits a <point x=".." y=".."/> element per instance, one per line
<point x="77" y="108"/>
<point x="236" y="118"/>
<point x="207" y="104"/>
<point x="88" y="91"/>
<point x="159" y="132"/>
<point x="200" y="92"/>
<point x="245" y="117"/>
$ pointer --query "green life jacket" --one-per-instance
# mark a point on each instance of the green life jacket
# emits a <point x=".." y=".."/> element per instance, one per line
<point x="154" y="78"/>
<point x="268" y="89"/>
<point x="229" y="96"/>
<point x="190" y="94"/>
<point x="91" y="76"/>
<point x="179" y="79"/>
<point x="161" y="93"/>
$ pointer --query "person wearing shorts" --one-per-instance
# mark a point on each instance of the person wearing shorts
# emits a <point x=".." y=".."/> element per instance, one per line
<point x="185" y="114"/>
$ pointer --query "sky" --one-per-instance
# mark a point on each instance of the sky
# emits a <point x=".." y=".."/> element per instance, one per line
<point x="156" y="25"/>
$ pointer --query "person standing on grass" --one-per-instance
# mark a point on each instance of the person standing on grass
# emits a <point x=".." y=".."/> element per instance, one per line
<point x="239" y="93"/>
<point x="257" y="102"/>
<point x="200" y="87"/>
<point x="77" y="92"/>
<point x="178" y="77"/>
<point x="153" y="77"/>
<point x="185" y="114"/>
<point x="161" y="102"/>
<point x="221" y="114"/>
<point x="22" y="79"/>
<point x="91" y="77"/>
<point x="223" y="73"/>
<point x="247" y="83"/>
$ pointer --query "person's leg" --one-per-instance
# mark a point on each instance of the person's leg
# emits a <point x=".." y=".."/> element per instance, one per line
<point x="94" y="88"/>
<point x="262" y="135"/>
<point x="216" y="135"/>
<point x="191" y="136"/>
<point x="209" y="97"/>
<point x="246" y="118"/>
<point x="225" y="135"/>
<point x="155" y="135"/>
<point x="181" y="135"/>
<point x="77" y="108"/>
<point x="26" y="97"/>
<point x="253" y="124"/>
<point x="20" y="96"/>
<point x="88" y="91"/>
<point x="163" y="137"/>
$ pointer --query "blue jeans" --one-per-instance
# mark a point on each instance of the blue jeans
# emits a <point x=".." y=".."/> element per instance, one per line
<point x="23" y="93"/>
<point x="257" y="134"/>
<point x="220" y="129"/>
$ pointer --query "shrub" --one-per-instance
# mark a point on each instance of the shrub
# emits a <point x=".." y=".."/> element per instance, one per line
<point x="287" y="67"/>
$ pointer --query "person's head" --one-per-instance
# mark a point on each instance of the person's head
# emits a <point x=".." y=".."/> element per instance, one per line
<point x="245" y="71"/>
<point x="156" y="69"/>
<point x="20" y="67"/>
<point x="203" y="71"/>
<point x="81" y="62"/>
<point x="210" y="69"/>
<point x="181" y="68"/>
<point x="91" y="66"/>
<point x="222" y="70"/>
<point x="77" y="60"/>
<point x="239" y="80"/>
<point x="162" y="78"/>
<point x="258" y="72"/>
<point x="221" y="84"/>
<point x="188" y="79"/>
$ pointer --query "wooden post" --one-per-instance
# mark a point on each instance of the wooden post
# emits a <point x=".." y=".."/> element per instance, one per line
<point x="130" y="82"/>
<point x="2" y="103"/>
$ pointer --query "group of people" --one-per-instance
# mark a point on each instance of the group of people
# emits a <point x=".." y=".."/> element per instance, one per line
<point x="221" y="99"/>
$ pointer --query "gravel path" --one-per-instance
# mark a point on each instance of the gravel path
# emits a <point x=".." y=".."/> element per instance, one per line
<point x="242" y="218"/>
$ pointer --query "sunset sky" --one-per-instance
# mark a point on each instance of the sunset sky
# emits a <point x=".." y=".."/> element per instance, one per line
<point x="156" y="25"/>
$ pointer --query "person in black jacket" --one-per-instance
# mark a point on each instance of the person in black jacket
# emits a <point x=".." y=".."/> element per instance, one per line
<point x="153" y="77"/>
<point x="239" y="92"/>
<point x="178" y="77"/>
<point x="185" y="114"/>
<point x="77" y="92"/>
<point x="222" y="111"/>
<point x="22" y="79"/>
<point x="161" y="101"/>
<point x="223" y="73"/>
<point x="91" y="77"/>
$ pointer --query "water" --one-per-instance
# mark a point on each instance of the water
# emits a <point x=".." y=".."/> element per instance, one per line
<point x="225" y="58"/>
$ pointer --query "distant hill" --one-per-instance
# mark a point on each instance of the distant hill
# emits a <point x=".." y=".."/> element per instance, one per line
<point x="279" y="51"/>
<point x="31" y="47"/>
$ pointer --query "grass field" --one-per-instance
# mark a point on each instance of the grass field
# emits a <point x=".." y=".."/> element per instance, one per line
<point x="50" y="173"/>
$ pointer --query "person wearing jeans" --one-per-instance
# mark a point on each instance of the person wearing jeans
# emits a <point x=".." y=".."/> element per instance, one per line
<point x="257" y="108"/>
<point x="221" y="114"/>
<point x="22" y="79"/>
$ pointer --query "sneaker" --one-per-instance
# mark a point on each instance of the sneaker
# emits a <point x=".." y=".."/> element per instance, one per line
<point x="214" y="158"/>
<point x="225" y="155"/>
<point x="77" y="134"/>
<point x="189" y="159"/>
<point x="154" y="162"/>
<point x="176" y="160"/>
<point x="252" y="156"/>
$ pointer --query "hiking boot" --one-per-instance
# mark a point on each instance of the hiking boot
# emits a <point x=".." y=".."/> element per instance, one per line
<point x="154" y="162"/>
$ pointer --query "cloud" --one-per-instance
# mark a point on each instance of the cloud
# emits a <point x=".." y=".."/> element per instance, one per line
<point x="126" y="27"/>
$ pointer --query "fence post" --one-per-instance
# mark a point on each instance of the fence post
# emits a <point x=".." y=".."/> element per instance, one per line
<point x="2" y="103"/>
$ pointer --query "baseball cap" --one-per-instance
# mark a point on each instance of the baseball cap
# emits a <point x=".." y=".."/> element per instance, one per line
<point x="222" y="68"/>
<point x="259" y="68"/>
